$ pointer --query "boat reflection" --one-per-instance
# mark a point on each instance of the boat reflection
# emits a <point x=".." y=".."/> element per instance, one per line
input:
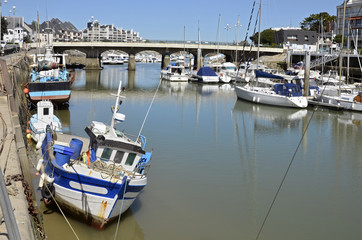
<point x="128" y="227"/>
<point x="270" y="118"/>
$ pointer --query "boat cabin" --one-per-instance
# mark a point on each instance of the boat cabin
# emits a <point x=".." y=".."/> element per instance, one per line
<point x="288" y="89"/>
<point x="114" y="149"/>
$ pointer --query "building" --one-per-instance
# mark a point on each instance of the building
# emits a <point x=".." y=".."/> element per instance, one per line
<point x="296" y="38"/>
<point x="17" y="31"/>
<point x="97" y="32"/>
<point x="353" y="19"/>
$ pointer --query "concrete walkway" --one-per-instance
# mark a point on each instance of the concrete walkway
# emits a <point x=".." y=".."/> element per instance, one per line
<point x="10" y="165"/>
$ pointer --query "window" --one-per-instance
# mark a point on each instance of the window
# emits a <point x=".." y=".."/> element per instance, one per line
<point x="130" y="159"/>
<point x="292" y="38"/>
<point x="46" y="111"/>
<point x="106" y="154"/>
<point x="119" y="156"/>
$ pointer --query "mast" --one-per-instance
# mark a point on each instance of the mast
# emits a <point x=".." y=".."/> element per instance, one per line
<point x="198" y="49"/>
<point x="257" y="64"/>
<point x="237" y="39"/>
<point x="218" y="38"/>
<point x="341" y="55"/>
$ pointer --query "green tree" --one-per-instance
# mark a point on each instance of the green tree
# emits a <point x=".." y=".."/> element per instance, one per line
<point x="4" y="27"/>
<point x="338" y="38"/>
<point x="313" y="22"/>
<point x="266" y="37"/>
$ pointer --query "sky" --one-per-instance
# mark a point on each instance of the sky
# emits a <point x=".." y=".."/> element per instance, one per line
<point x="166" y="19"/>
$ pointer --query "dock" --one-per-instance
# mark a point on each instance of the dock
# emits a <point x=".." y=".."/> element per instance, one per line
<point x="12" y="159"/>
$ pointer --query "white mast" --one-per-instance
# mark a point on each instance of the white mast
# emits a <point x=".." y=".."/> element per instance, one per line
<point x="257" y="64"/>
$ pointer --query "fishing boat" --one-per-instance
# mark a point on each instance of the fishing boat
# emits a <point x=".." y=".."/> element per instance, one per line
<point x="49" y="79"/>
<point x="284" y="95"/>
<point x="175" y="72"/>
<point x="43" y="118"/>
<point x="101" y="182"/>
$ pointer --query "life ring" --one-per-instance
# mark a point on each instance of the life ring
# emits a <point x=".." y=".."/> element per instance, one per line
<point x="48" y="192"/>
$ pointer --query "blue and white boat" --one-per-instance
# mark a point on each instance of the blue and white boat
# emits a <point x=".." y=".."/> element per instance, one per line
<point x="49" y="79"/>
<point x="100" y="183"/>
<point x="283" y="95"/>
<point x="43" y="118"/>
<point x="207" y="75"/>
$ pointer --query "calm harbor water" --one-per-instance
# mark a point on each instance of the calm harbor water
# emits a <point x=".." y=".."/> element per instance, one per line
<point x="218" y="161"/>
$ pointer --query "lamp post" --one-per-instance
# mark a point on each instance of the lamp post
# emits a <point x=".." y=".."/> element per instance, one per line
<point x="227" y="31"/>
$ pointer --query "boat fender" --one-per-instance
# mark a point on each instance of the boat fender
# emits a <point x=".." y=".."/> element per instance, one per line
<point x="47" y="192"/>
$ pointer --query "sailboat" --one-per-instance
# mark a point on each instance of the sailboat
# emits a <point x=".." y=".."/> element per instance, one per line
<point x="351" y="100"/>
<point x="284" y="94"/>
<point x="101" y="182"/>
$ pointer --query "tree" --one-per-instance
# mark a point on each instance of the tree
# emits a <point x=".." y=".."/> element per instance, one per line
<point x="266" y="37"/>
<point x="313" y="22"/>
<point x="338" y="38"/>
<point x="4" y="27"/>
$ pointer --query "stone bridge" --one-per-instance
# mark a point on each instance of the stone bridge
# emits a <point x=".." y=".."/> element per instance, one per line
<point x="93" y="50"/>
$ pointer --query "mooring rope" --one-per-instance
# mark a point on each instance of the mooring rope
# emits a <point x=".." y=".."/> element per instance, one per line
<point x="148" y="111"/>
<point x="120" y="210"/>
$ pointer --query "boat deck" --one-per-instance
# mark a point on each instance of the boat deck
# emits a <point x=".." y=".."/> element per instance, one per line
<point x="66" y="138"/>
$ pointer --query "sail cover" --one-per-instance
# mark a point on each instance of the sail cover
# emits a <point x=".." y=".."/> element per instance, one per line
<point x="261" y="74"/>
<point x="206" y="71"/>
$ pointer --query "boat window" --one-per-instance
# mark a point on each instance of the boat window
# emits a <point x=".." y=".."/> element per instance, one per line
<point x="46" y="111"/>
<point x="130" y="159"/>
<point x="106" y="154"/>
<point x="119" y="156"/>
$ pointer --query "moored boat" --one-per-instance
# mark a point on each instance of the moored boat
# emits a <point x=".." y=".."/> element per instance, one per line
<point x="43" y="118"/>
<point x="284" y="95"/>
<point x="101" y="182"/>
<point x="49" y="79"/>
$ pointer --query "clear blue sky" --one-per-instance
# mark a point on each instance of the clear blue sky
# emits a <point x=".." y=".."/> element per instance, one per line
<point x="165" y="19"/>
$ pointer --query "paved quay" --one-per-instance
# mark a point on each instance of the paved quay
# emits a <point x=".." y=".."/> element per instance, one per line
<point x="12" y="150"/>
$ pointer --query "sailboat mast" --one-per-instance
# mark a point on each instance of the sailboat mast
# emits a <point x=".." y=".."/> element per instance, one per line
<point x="341" y="55"/>
<point x="257" y="64"/>
<point x="198" y="49"/>
<point x="218" y="38"/>
<point x="237" y="39"/>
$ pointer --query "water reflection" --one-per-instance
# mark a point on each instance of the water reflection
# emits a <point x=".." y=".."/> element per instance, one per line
<point x="57" y="228"/>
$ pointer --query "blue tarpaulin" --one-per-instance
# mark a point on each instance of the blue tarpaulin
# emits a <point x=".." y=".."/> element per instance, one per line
<point x="206" y="71"/>
<point x="262" y="74"/>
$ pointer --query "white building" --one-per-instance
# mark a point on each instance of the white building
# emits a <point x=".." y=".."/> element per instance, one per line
<point x="17" y="30"/>
<point x="97" y="32"/>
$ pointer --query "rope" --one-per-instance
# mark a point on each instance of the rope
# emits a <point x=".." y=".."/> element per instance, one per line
<point x="148" y="111"/>
<point x="62" y="213"/>
<point x="120" y="210"/>
<point x="289" y="166"/>
<point x="285" y="175"/>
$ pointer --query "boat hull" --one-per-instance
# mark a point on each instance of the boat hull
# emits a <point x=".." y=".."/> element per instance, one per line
<point x="259" y="95"/>
<point x="93" y="199"/>
<point x="345" y="101"/>
<point x="58" y="92"/>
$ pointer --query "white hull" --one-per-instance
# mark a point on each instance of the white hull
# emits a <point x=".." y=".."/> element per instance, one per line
<point x="269" y="97"/>
<point x="208" y="79"/>
<point x="345" y="101"/>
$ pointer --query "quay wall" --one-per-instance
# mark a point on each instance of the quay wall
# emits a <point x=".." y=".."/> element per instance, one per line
<point x="14" y="161"/>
